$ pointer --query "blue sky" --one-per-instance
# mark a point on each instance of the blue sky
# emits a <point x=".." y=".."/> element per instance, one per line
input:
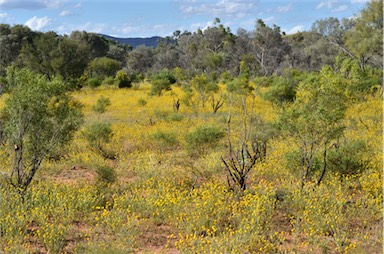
<point x="135" y="18"/>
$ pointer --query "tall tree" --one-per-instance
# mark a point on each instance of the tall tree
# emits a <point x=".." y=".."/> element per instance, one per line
<point x="12" y="39"/>
<point x="269" y="47"/>
<point x="40" y="117"/>
<point x="365" y="40"/>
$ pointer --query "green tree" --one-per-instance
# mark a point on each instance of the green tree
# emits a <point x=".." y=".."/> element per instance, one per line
<point x="102" y="67"/>
<point x="365" y="40"/>
<point x="315" y="118"/>
<point x="70" y="58"/>
<point x="39" y="55"/>
<point x="204" y="87"/>
<point x="162" y="81"/>
<point x="39" y="118"/>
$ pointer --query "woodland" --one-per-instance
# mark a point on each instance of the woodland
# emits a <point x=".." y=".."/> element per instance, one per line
<point x="211" y="142"/>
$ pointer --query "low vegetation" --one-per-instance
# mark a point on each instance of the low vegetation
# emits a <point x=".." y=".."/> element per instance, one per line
<point x="199" y="159"/>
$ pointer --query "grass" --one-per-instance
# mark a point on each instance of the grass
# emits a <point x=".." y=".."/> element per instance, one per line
<point x="167" y="200"/>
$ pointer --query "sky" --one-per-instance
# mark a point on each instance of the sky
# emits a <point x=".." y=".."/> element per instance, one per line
<point x="145" y="18"/>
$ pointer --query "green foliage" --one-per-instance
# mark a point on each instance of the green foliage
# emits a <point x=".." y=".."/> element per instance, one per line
<point x="315" y="118"/>
<point x="240" y="86"/>
<point x="360" y="82"/>
<point x="203" y="137"/>
<point x="162" y="81"/>
<point x="97" y="134"/>
<point x="348" y="158"/>
<point x="284" y="87"/>
<point x="102" y="67"/>
<point x="108" y="81"/>
<point x="281" y="91"/>
<point x="165" y="138"/>
<point x="101" y="104"/>
<point x="204" y="87"/>
<point x="106" y="174"/>
<point x="40" y="118"/>
<point x="142" y="102"/>
<point x="94" y="82"/>
<point x="123" y="81"/>
<point x="175" y="117"/>
<point x="365" y="41"/>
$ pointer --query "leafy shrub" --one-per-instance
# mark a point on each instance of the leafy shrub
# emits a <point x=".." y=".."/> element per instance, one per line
<point x="97" y="134"/>
<point x="106" y="174"/>
<point x="165" y="138"/>
<point x="347" y="159"/>
<point x="123" y="81"/>
<point x="175" y="117"/>
<point x="203" y="137"/>
<point x="142" y="102"/>
<point x="162" y="82"/>
<point x="101" y="104"/>
<point x="103" y="67"/>
<point x="282" y="90"/>
<point x="240" y="86"/>
<point x="161" y="115"/>
<point x="94" y="82"/>
<point x="108" y="81"/>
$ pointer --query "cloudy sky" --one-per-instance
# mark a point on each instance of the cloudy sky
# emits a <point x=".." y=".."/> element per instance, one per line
<point x="142" y="18"/>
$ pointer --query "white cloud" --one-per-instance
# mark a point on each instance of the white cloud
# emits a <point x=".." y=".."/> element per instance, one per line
<point x="66" y="13"/>
<point x="36" y="23"/>
<point x="329" y="4"/>
<point x="269" y="19"/>
<point x="296" y="29"/>
<point x="359" y="1"/>
<point x="200" y="25"/>
<point x="285" y="8"/>
<point x="54" y="4"/>
<point x="4" y="15"/>
<point x="340" y="8"/>
<point x="32" y="4"/>
<point x="222" y="8"/>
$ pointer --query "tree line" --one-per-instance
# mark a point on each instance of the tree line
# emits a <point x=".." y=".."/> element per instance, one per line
<point x="265" y="51"/>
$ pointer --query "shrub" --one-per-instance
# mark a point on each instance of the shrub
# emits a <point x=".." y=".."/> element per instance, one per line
<point x="142" y="102"/>
<point x="162" y="82"/>
<point x="161" y="115"/>
<point x="108" y="81"/>
<point x="106" y="174"/>
<point x="165" y="138"/>
<point x="123" y="81"/>
<point x="348" y="159"/>
<point x="94" y="82"/>
<point x="97" y="134"/>
<point x="175" y="117"/>
<point x="282" y="90"/>
<point x="101" y="104"/>
<point x="203" y="137"/>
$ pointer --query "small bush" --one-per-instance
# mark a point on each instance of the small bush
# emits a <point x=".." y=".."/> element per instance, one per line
<point x="162" y="82"/>
<point x="175" y="117"/>
<point x="94" y="82"/>
<point x="97" y="134"/>
<point x="106" y="174"/>
<point x="348" y="159"/>
<point x="108" y="81"/>
<point x="142" y="102"/>
<point x="101" y="104"/>
<point x="203" y="137"/>
<point x="165" y="138"/>
<point x="122" y="79"/>
<point x="161" y="115"/>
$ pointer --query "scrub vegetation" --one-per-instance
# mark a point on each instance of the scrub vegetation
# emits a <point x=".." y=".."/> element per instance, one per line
<point x="253" y="153"/>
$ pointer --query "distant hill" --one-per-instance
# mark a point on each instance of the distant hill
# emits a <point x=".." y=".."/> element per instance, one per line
<point x="135" y="42"/>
